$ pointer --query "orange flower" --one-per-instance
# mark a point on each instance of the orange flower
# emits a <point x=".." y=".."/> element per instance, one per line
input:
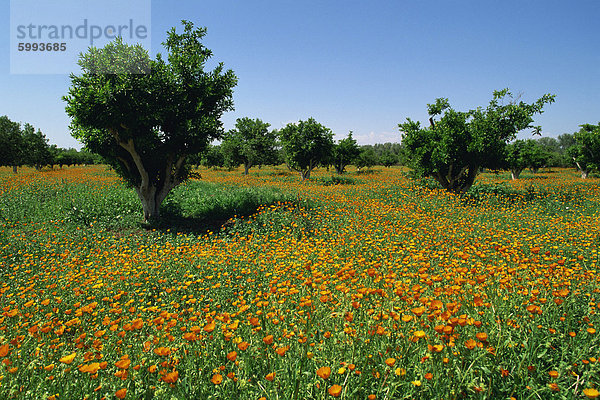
<point x="123" y="364"/>
<point x="282" y="350"/>
<point x="481" y="336"/>
<point x="90" y="368"/>
<point x="243" y="346"/>
<point x="217" y="379"/>
<point x="418" y="311"/>
<point x="171" y="377"/>
<point x="231" y="356"/>
<point x="121" y="393"/>
<point x="209" y="327"/>
<point x="470" y="344"/>
<point x="270" y="376"/>
<point x="324" y="372"/>
<point x="553" y="374"/>
<point x="4" y="350"/>
<point x="268" y="339"/>
<point x="68" y="359"/>
<point x="335" y="391"/>
<point x="190" y="336"/>
<point x="591" y="393"/>
<point x="419" y="334"/>
<point x="162" y="351"/>
<point x="390" y="362"/>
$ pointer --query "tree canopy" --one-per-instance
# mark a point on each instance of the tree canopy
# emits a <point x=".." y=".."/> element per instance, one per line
<point x="305" y="144"/>
<point x="453" y="149"/>
<point x="344" y="153"/>
<point x="523" y="154"/>
<point x="250" y="143"/>
<point x="144" y="116"/>
<point x="586" y="150"/>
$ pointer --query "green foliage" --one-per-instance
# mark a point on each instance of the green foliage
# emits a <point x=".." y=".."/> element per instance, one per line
<point x="367" y="158"/>
<point x="212" y="157"/>
<point x="344" y="153"/>
<point x="453" y="149"/>
<point x="586" y="150"/>
<point x="387" y="159"/>
<point x="523" y="154"/>
<point x="23" y="146"/>
<point x="250" y="143"/>
<point x="11" y="143"/>
<point x="207" y="201"/>
<point x="306" y="144"/>
<point x="146" y="116"/>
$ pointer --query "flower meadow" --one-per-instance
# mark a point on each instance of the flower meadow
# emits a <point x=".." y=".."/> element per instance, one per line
<point x="369" y="286"/>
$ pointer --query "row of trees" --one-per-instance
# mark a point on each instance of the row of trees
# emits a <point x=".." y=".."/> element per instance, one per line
<point x="301" y="146"/>
<point x="149" y="117"/>
<point x="304" y="145"/>
<point x="24" y="145"/>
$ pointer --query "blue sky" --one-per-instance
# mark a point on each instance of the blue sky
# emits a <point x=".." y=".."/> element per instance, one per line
<point x="365" y="66"/>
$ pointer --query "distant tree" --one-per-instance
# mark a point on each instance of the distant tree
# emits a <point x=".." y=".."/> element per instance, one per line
<point x="367" y="158"/>
<point x="552" y="150"/>
<point x="586" y="151"/>
<point x="539" y="157"/>
<point x="306" y="144"/>
<point x="523" y="154"/>
<point x="212" y="157"/>
<point x="250" y="143"/>
<point x="36" y="149"/>
<point x="11" y="144"/>
<point x="144" y="116"/>
<point x="344" y="153"/>
<point x="387" y="159"/>
<point x="566" y="141"/>
<point x="455" y="148"/>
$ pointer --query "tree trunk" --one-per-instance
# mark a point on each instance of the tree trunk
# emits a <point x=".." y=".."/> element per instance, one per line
<point x="458" y="182"/>
<point x="584" y="174"/>
<point x="305" y="174"/>
<point x="514" y="173"/>
<point x="150" y="205"/>
<point x="14" y="169"/>
<point x="246" y="168"/>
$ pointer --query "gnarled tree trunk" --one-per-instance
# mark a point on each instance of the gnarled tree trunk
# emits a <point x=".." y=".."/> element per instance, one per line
<point x="458" y="182"/>
<point x="152" y="190"/>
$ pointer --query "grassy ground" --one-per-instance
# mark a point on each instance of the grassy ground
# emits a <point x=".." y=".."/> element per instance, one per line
<point x="366" y="286"/>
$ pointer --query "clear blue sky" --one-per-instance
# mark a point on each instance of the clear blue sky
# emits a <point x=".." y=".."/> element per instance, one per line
<point x="365" y="65"/>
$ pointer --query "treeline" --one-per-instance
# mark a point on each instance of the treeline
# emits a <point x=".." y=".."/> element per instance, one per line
<point x="304" y="146"/>
<point x="24" y="145"/>
<point x="307" y="144"/>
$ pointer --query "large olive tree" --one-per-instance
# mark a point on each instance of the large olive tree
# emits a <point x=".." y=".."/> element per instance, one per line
<point x="146" y="116"/>
<point x="453" y="149"/>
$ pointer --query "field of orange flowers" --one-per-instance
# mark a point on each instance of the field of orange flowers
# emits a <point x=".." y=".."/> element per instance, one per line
<point x="376" y="288"/>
